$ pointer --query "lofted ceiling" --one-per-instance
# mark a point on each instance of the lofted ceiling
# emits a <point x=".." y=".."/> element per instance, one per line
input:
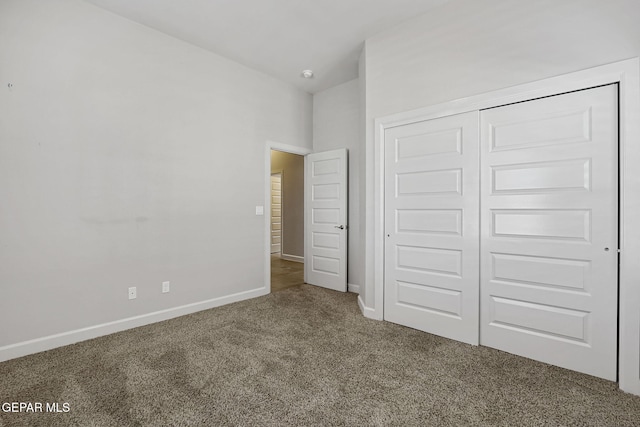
<point x="278" y="37"/>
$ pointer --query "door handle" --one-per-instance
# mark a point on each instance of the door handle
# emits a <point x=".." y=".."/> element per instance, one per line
<point x="341" y="227"/>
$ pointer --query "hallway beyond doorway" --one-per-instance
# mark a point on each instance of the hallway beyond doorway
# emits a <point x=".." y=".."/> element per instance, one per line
<point x="285" y="274"/>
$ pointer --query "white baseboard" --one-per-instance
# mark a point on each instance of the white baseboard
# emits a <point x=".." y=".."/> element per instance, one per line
<point x="295" y="258"/>
<point x="353" y="288"/>
<point x="65" y="338"/>
<point x="367" y="312"/>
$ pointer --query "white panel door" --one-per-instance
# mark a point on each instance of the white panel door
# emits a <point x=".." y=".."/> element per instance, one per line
<point x="549" y="230"/>
<point x="276" y="213"/>
<point x="431" y="226"/>
<point x="326" y="195"/>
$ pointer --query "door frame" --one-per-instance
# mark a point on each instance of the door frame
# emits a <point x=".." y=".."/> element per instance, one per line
<point x="286" y="148"/>
<point x="627" y="75"/>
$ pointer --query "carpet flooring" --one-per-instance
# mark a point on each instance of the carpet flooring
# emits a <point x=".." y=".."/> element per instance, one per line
<point x="301" y="356"/>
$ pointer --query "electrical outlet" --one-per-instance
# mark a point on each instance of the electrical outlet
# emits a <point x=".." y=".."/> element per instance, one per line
<point x="166" y="286"/>
<point x="132" y="292"/>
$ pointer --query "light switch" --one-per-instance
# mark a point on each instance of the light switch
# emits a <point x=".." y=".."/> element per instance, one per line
<point x="259" y="210"/>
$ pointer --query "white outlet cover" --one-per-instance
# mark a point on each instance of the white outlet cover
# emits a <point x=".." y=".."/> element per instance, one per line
<point x="259" y="210"/>
<point x="166" y="286"/>
<point x="132" y="293"/>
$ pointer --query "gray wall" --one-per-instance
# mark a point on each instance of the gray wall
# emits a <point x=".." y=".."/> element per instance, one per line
<point x="336" y="124"/>
<point x="127" y="158"/>
<point x="292" y="168"/>
<point x="468" y="47"/>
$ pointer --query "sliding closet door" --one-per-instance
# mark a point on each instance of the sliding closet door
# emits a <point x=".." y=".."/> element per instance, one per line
<point x="431" y="226"/>
<point x="549" y="230"/>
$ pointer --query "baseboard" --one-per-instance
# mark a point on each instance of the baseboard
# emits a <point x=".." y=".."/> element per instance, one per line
<point x="295" y="258"/>
<point x="66" y="338"/>
<point x="367" y="312"/>
<point x="353" y="288"/>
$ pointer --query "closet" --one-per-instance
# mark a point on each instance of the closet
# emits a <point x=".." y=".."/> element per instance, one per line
<point x="501" y="228"/>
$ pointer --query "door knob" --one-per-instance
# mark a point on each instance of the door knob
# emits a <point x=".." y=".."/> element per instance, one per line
<point x="341" y="227"/>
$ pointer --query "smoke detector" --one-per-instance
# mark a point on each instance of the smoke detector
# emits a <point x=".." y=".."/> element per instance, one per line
<point x="307" y="74"/>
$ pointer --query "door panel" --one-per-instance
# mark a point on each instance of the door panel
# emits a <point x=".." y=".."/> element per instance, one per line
<point x="431" y="226"/>
<point x="326" y="219"/>
<point x="549" y="230"/>
<point x="276" y="213"/>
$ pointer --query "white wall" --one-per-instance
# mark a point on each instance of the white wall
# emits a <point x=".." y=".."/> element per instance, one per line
<point x="467" y="47"/>
<point x="127" y="158"/>
<point x="336" y="124"/>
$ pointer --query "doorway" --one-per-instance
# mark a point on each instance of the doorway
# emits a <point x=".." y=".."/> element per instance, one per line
<point x="323" y="228"/>
<point x="286" y="220"/>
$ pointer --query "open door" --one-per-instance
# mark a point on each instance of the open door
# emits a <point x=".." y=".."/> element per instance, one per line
<point x="325" y="236"/>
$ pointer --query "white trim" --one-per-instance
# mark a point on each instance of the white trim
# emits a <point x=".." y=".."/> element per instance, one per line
<point x="353" y="288"/>
<point x="629" y="294"/>
<point x="366" y="311"/>
<point x="293" y="149"/>
<point x="294" y="258"/>
<point x="627" y="74"/>
<point x="66" y="338"/>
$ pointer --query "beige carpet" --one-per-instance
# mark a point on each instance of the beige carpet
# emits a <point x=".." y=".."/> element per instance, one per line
<point x="302" y="356"/>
